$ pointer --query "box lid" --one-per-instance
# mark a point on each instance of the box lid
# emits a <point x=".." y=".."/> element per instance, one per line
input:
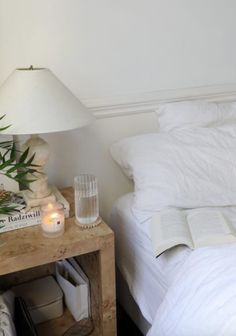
<point x="39" y="292"/>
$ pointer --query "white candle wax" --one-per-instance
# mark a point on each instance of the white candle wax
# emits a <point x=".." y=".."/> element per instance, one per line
<point x="52" y="219"/>
<point x="53" y="222"/>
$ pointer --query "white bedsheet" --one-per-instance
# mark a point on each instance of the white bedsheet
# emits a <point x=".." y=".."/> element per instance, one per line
<point x="182" y="292"/>
<point x="148" y="278"/>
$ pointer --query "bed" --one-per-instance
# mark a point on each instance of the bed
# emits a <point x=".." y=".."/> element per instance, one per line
<point x="182" y="292"/>
<point x="147" y="279"/>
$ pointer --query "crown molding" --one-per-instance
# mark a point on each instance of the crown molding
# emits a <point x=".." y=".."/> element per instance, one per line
<point x="122" y="105"/>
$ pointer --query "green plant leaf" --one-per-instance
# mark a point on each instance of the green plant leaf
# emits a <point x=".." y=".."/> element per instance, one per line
<point x="24" y="156"/>
<point x="18" y="171"/>
<point x="6" y="144"/>
<point x="7" y="210"/>
<point x="13" y="152"/>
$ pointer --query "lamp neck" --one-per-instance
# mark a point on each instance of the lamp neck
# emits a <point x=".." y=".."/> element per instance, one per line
<point x="34" y="136"/>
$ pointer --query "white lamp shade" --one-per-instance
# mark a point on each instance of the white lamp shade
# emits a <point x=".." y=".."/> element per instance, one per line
<point x="35" y="101"/>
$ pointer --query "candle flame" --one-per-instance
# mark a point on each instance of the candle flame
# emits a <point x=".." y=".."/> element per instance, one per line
<point x="54" y="215"/>
<point x="50" y="206"/>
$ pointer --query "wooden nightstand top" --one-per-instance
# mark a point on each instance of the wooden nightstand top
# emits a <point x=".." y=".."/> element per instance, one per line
<point x="25" y="248"/>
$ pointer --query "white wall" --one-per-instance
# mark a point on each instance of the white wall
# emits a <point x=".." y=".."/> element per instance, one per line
<point x="117" y="51"/>
<point x="86" y="150"/>
<point x="109" y="47"/>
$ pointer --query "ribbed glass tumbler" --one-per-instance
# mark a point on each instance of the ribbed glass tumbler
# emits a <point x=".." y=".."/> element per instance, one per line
<point x="86" y="200"/>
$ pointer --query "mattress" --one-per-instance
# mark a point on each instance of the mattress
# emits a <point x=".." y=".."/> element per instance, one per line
<point x="148" y="278"/>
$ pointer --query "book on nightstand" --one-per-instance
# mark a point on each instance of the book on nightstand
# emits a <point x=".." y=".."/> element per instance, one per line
<point x="23" y="218"/>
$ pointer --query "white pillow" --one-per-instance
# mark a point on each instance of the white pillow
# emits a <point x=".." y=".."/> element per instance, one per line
<point x="195" y="114"/>
<point x="185" y="168"/>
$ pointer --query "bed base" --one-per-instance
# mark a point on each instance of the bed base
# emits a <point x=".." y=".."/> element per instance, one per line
<point x="127" y="302"/>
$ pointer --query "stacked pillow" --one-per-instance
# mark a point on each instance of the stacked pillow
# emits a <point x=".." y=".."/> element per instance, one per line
<point x="190" y="163"/>
<point x="195" y="114"/>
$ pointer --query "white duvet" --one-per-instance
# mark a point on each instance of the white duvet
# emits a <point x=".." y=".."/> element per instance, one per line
<point x="202" y="299"/>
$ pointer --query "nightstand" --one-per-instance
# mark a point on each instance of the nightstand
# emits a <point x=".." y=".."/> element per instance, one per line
<point x="27" y="255"/>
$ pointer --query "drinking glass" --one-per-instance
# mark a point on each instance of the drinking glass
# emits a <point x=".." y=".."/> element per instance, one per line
<point x="86" y="200"/>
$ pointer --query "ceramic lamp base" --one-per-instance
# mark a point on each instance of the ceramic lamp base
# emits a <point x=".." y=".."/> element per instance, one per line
<point x="39" y="192"/>
<point x="33" y="202"/>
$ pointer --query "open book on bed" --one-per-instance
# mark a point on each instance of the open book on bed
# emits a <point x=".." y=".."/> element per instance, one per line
<point x="194" y="228"/>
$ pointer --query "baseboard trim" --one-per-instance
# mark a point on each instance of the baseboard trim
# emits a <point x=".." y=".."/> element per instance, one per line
<point x="122" y="105"/>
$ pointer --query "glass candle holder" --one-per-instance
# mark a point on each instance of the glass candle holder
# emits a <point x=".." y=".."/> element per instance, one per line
<point x="52" y="220"/>
<point x="86" y="200"/>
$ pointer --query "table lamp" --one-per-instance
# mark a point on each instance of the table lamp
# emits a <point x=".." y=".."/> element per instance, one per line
<point x="35" y="101"/>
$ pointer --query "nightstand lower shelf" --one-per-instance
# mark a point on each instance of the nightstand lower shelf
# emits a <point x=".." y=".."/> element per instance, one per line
<point x="62" y="324"/>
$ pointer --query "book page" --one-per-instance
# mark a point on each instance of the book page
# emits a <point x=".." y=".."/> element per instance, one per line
<point x="209" y="227"/>
<point x="169" y="228"/>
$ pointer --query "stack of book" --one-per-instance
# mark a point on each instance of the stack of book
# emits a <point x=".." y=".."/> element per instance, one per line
<point x="23" y="218"/>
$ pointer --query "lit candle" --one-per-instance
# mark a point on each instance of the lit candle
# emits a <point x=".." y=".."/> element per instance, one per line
<point x="52" y="220"/>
